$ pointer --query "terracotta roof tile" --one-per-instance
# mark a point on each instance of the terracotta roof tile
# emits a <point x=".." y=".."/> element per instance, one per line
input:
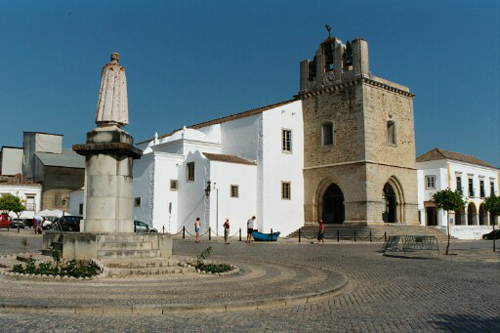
<point x="439" y="154"/>
<point x="228" y="158"/>
<point x="228" y="118"/>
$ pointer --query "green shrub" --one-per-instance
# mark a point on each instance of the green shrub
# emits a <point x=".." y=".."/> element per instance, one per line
<point x="73" y="268"/>
<point x="209" y="268"/>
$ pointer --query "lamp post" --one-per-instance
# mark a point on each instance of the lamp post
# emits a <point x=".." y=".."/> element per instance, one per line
<point x="207" y="189"/>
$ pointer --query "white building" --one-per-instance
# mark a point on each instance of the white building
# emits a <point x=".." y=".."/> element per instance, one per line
<point x="30" y="193"/>
<point x="11" y="161"/>
<point x="439" y="169"/>
<point x="234" y="167"/>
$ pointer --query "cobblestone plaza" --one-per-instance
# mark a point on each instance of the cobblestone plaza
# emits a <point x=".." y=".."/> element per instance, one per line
<point x="457" y="293"/>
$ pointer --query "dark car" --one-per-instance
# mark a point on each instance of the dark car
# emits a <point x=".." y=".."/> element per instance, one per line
<point x="140" y="226"/>
<point x="490" y="235"/>
<point x="68" y="223"/>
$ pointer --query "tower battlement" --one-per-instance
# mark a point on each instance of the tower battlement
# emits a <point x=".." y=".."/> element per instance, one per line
<point x="333" y="63"/>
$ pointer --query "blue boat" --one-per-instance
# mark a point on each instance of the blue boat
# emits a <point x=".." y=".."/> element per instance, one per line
<point x="260" y="237"/>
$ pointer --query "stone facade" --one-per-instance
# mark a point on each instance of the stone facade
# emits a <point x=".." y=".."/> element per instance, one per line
<point x="358" y="135"/>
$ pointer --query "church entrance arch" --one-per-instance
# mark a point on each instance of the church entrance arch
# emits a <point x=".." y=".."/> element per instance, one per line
<point x="393" y="202"/>
<point x="333" y="205"/>
<point x="390" y="204"/>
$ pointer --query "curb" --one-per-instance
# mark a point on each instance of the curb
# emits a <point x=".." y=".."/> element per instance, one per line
<point x="344" y="287"/>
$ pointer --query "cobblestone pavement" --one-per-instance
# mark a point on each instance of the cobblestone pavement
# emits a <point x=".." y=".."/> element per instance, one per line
<point x="390" y="295"/>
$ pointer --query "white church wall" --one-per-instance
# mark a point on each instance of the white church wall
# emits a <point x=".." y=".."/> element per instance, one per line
<point x="192" y="202"/>
<point x="143" y="187"/>
<point x="240" y="137"/>
<point x="277" y="166"/>
<point x="165" y="199"/>
<point x="212" y="133"/>
<point x="237" y="209"/>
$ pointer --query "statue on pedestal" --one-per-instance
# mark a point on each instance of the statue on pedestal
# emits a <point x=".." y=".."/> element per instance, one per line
<point x="112" y="104"/>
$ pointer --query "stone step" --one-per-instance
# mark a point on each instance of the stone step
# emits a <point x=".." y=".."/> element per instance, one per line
<point x="57" y="245"/>
<point x="124" y="254"/>
<point x="123" y="272"/>
<point x="140" y="263"/>
<point x="376" y="230"/>
<point x="133" y="237"/>
<point x="126" y="246"/>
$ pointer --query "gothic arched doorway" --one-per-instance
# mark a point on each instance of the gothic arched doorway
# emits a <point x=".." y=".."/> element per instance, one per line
<point x="333" y="205"/>
<point x="390" y="204"/>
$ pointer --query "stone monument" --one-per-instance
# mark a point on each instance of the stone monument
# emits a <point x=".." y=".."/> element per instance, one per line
<point x="109" y="155"/>
<point x="107" y="230"/>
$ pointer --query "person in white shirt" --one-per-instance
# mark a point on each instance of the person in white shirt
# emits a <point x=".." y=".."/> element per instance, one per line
<point x="250" y="224"/>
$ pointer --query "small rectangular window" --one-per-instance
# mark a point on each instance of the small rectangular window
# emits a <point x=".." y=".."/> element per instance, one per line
<point x="137" y="202"/>
<point x="459" y="184"/>
<point x="287" y="141"/>
<point x="234" y="191"/>
<point x="391" y="132"/>
<point x="492" y="188"/>
<point x="190" y="171"/>
<point x="286" y="191"/>
<point x="482" y="192"/>
<point x="173" y="185"/>
<point x="80" y="209"/>
<point x="471" y="187"/>
<point x="327" y="134"/>
<point x="430" y="182"/>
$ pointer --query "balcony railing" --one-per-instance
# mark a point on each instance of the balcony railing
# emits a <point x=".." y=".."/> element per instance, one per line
<point x="31" y="207"/>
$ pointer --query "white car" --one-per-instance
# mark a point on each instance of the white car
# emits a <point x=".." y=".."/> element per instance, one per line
<point x="48" y="222"/>
<point x="143" y="227"/>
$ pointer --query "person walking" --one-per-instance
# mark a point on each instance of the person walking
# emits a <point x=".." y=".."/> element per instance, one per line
<point x="321" y="232"/>
<point x="226" y="231"/>
<point x="197" y="226"/>
<point x="250" y="225"/>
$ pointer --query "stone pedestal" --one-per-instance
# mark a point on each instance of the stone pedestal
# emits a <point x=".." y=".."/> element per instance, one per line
<point x="109" y="156"/>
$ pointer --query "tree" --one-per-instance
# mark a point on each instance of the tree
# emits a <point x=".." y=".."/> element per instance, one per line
<point x="492" y="204"/>
<point x="12" y="203"/>
<point x="449" y="201"/>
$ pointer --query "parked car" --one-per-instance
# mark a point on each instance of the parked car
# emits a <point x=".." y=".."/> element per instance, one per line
<point x="143" y="227"/>
<point x="5" y="221"/>
<point x="16" y="222"/>
<point x="491" y="233"/>
<point x="68" y="223"/>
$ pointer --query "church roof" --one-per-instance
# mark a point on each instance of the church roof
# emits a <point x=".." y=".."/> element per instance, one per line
<point x="228" y="118"/>
<point x="228" y="158"/>
<point x="68" y="159"/>
<point x="439" y="154"/>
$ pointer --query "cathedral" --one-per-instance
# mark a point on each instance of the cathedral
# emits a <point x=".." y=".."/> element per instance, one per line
<point x="342" y="150"/>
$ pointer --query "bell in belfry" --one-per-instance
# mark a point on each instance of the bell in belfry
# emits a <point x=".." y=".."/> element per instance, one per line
<point x="112" y="104"/>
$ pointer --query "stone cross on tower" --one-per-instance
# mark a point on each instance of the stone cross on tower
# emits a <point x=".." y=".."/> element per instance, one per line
<point x="112" y="104"/>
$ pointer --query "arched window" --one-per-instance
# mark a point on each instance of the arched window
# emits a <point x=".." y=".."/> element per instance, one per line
<point x="391" y="132"/>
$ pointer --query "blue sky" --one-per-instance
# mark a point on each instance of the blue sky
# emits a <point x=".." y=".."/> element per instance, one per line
<point x="190" y="61"/>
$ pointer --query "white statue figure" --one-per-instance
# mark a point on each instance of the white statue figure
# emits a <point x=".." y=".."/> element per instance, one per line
<point x="112" y="105"/>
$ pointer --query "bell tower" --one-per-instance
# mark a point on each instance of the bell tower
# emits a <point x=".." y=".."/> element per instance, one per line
<point x="359" y="142"/>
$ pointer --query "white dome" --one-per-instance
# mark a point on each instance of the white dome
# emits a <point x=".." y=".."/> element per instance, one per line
<point x="187" y="134"/>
